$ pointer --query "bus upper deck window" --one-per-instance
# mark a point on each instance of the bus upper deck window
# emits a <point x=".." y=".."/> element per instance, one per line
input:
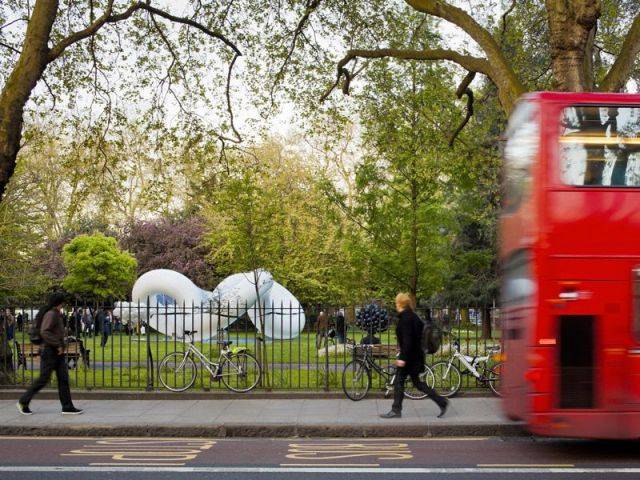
<point x="520" y="152"/>
<point x="600" y="146"/>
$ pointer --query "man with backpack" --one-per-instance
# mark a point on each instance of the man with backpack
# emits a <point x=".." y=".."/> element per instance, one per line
<point x="48" y="332"/>
<point x="410" y="362"/>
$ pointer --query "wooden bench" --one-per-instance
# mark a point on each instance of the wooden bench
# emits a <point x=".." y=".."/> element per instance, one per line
<point x="28" y="350"/>
<point x="380" y="350"/>
<point x="74" y="351"/>
<point x="384" y="350"/>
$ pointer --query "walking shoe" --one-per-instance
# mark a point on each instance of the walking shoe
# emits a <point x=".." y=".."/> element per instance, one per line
<point x="72" y="411"/>
<point x="24" y="409"/>
<point x="391" y="414"/>
<point x="443" y="408"/>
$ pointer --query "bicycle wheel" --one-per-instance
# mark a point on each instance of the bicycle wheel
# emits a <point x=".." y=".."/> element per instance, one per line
<point x="241" y="372"/>
<point x="427" y="377"/>
<point x="447" y="378"/>
<point x="356" y="380"/>
<point x="494" y="379"/>
<point x="177" y="372"/>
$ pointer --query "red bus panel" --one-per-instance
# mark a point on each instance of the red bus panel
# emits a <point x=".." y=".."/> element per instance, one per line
<point x="570" y="255"/>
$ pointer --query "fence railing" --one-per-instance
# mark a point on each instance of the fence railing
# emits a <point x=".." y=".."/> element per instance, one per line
<point x="122" y="350"/>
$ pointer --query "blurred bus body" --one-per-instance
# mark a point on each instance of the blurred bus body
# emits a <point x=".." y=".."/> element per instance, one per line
<point x="570" y="256"/>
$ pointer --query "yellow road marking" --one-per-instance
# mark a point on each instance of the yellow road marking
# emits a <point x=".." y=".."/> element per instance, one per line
<point x="142" y="451"/>
<point x="330" y="465"/>
<point x="525" y="465"/>
<point x="121" y="439"/>
<point x="332" y="450"/>
<point x="119" y="464"/>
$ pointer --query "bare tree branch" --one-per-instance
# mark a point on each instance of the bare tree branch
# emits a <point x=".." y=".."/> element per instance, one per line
<point x="509" y="85"/>
<point x="619" y="73"/>
<point x="504" y="19"/>
<point x="472" y="64"/>
<point x="13" y="49"/>
<point x="462" y="90"/>
<point x="310" y="7"/>
<point x="169" y="45"/>
<point x="228" y="95"/>
<point x="194" y="24"/>
<point x="8" y="24"/>
<point x="53" y="95"/>
<point x="87" y="32"/>
<point x="109" y="17"/>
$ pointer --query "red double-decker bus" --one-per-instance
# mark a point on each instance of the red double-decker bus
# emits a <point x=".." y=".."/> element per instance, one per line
<point x="570" y="256"/>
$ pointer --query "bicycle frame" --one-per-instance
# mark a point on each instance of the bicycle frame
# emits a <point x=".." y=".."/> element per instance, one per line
<point x="471" y="363"/>
<point x="208" y="364"/>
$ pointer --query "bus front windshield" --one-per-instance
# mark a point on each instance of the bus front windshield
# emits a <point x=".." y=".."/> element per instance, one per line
<point x="600" y="146"/>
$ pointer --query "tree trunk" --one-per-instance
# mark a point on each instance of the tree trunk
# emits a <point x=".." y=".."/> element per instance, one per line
<point x="486" y="322"/>
<point x="415" y="269"/>
<point x="572" y="25"/>
<point x="25" y="75"/>
<point x="464" y="317"/>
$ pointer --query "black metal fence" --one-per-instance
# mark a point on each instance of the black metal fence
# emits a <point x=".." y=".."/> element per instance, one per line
<point x="124" y="351"/>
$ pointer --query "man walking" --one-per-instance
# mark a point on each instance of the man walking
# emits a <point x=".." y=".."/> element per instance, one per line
<point x="105" y="320"/>
<point x="87" y="322"/>
<point x="410" y="362"/>
<point x="51" y="331"/>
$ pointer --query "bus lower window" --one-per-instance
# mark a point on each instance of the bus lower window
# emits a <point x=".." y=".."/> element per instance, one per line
<point x="577" y="350"/>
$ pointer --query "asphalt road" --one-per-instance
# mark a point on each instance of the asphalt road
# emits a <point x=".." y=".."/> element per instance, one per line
<point x="270" y="459"/>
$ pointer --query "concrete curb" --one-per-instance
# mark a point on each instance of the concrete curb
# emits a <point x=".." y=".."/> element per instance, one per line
<point x="12" y="394"/>
<point x="272" y="431"/>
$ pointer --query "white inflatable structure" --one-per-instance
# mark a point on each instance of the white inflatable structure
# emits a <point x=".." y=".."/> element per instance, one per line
<point x="171" y="304"/>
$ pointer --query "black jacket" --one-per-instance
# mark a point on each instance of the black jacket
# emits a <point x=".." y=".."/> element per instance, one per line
<point x="52" y="329"/>
<point x="409" y="334"/>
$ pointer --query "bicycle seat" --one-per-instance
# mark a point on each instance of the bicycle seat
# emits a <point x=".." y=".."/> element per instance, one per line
<point x="190" y="332"/>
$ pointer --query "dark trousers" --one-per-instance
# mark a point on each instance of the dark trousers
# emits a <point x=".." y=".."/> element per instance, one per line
<point x="105" y="338"/>
<point x="50" y="361"/>
<point x="398" y="389"/>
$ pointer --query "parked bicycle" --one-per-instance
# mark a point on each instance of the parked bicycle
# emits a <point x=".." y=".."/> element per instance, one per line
<point x="238" y="370"/>
<point x="448" y="376"/>
<point x="356" y="375"/>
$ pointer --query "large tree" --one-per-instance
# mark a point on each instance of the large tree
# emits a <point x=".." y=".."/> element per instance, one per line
<point x="399" y="209"/>
<point x="588" y="45"/>
<point x="79" y="44"/>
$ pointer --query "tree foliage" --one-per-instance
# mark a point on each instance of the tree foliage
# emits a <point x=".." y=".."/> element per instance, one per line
<point x="271" y="214"/>
<point x="176" y="243"/>
<point x="97" y="268"/>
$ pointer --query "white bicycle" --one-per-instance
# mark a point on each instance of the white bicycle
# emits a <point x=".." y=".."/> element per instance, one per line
<point x="448" y="376"/>
<point x="236" y="368"/>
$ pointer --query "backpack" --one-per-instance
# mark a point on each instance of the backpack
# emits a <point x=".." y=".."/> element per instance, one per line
<point x="431" y="338"/>
<point x="34" y="330"/>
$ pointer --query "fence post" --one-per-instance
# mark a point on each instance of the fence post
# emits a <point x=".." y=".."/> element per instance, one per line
<point x="326" y="363"/>
<point x="150" y="372"/>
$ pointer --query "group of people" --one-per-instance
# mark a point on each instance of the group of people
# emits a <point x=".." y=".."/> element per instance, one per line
<point x="330" y="325"/>
<point x="13" y="323"/>
<point x="82" y="322"/>
<point x="78" y="322"/>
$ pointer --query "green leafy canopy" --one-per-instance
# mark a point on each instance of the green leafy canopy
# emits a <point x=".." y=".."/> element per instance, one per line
<point x="98" y="268"/>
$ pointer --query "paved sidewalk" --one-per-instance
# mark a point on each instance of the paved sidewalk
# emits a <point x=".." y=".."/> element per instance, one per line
<point x="258" y="417"/>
